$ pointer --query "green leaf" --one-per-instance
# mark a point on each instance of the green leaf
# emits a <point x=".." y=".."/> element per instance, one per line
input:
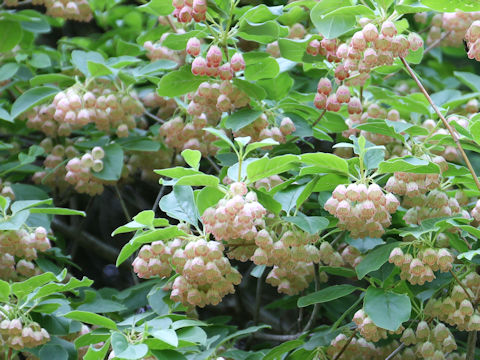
<point x="180" y="204"/>
<point x="452" y="5"/>
<point x="470" y="79"/>
<point x="325" y="295"/>
<point x="241" y="118"/>
<point x="192" y="157"/>
<point x="155" y="300"/>
<point x="155" y="67"/>
<point x="4" y="291"/>
<point x="252" y="89"/>
<point x="57" y="211"/>
<point x="338" y="271"/>
<point x="277" y="352"/>
<point x="469" y="254"/>
<point x="375" y="259"/>
<point x="98" y="69"/>
<point x="198" y="180"/>
<point x="324" y="162"/>
<point x="61" y="79"/>
<point x="31" y="98"/>
<point x="81" y="58"/>
<point x="179" y="82"/>
<point x="332" y="25"/>
<point x="269" y="202"/>
<point x="52" y="288"/>
<point x="168" y="336"/>
<point x="260" y="144"/>
<point x="92" y="319"/>
<point x="178" y="41"/>
<point x="112" y="163"/>
<point x="11" y="35"/>
<point x="145" y="218"/>
<point x="265" y="167"/>
<point x="311" y="224"/>
<point x="8" y="71"/>
<point x="408" y="164"/>
<point x="415" y="57"/>
<point x="260" y="66"/>
<point x="207" y="197"/>
<point x="24" y="288"/>
<point x="221" y="134"/>
<point x="52" y="352"/>
<point x="177" y="172"/>
<point x="263" y="33"/>
<point x="157" y="7"/>
<point x="387" y="309"/>
<point x="288" y="197"/>
<point x="97" y="354"/>
<point x="278" y="87"/>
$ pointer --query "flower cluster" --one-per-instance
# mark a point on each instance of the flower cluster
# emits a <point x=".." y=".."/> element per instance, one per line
<point x="457" y="309"/>
<point x="364" y="211"/>
<point x="235" y="220"/>
<point x="156" y="51"/>
<point x="19" y="333"/>
<point x="78" y="10"/>
<point x="367" y="49"/>
<point x="435" y="204"/>
<point x="206" y="275"/>
<point x="212" y="99"/>
<point x="472" y="37"/>
<point x="76" y="107"/>
<point x="419" y="269"/>
<point x="359" y="348"/>
<point x="368" y="329"/>
<point x="18" y="249"/>
<point x="412" y="185"/>
<point x="179" y="134"/>
<point x="261" y="129"/>
<point x="186" y="10"/>
<point x="154" y="259"/>
<point x="431" y="342"/>
<point x="80" y="172"/>
<point x="324" y="100"/>
<point x="212" y="65"/>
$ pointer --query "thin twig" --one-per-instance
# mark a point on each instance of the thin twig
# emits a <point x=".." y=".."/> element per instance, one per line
<point x="316" y="307"/>
<point x="319" y="118"/>
<point x="122" y="203"/>
<point x="214" y="165"/>
<point x="436" y="42"/>
<point x="471" y="345"/>
<point x="445" y="122"/>
<point x="346" y="345"/>
<point x="395" y="352"/>
<point x="172" y="24"/>
<point x="258" y="298"/>
<point x="159" y="196"/>
<point x="154" y="117"/>
<point x="463" y="287"/>
<point x="274" y="337"/>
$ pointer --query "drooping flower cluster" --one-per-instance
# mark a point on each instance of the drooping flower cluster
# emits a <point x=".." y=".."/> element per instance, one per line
<point x="435" y="204"/>
<point x="186" y="10"/>
<point x="76" y="107"/>
<point x="457" y="308"/>
<point x="472" y="37"/>
<point x="412" y="185"/>
<point x="78" y="10"/>
<point x="324" y="100"/>
<point x="18" y="249"/>
<point x="20" y="333"/>
<point x="180" y="134"/>
<point x="166" y="107"/>
<point x="154" y="259"/>
<point x="367" y="49"/>
<point x="359" y="349"/>
<point x="80" y="172"/>
<point x="212" y="65"/>
<point x="235" y="220"/>
<point x="431" y="341"/>
<point x="364" y="211"/>
<point x="212" y="99"/>
<point x="419" y="269"/>
<point x="261" y="129"/>
<point x="368" y="329"/>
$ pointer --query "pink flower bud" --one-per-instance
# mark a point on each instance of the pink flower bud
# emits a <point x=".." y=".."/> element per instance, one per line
<point x="199" y="66"/>
<point x="343" y="94"/>
<point x="320" y="101"/>
<point x="370" y="32"/>
<point x="237" y="62"/>
<point x="214" y="56"/>
<point x="193" y="46"/>
<point x="324" y="86"/>
<point x="333" y="104"/>
<point x="389" y="29"/>
<point x="225" y="72"/>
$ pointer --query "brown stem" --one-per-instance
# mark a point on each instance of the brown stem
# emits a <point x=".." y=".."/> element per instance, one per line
<point x="436" y="42"/>
<point x="172" y="24"/>
<point x="316" y="307"/>
<point x="346" y="345"/>
<point x="471" y="345"/>
<point x="445" y="122"/>
<point x="319" y="118"/>
<point x="395" y="352"/>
